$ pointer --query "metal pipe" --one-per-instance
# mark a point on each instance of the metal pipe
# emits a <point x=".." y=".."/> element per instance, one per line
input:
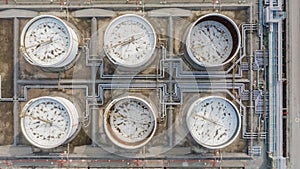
<point x="251" y="81"/>
<point x="170" y="37"/>
<point x="275" y="88"/>
<point x="121" y="82"/>
<point x="94" y="118"/>
<point x="260" y="24"/>
<point x="247" y="27"/>
<point x="147" y="6"/>
<point x="271" y="98"/>
<point x="170" y="84"/>
<point x="265" y="90"/>
<point x="16" y="72"/>
<point x="279" y="94"/>
<point x="170" y="125"/>
<point x="118" y="84"/>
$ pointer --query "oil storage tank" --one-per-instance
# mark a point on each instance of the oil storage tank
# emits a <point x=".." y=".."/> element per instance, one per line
<point x="130" y="121"/>
<point x="214" y="122"/>
<point x="212" y="40"/>
<point x="48" y="122"/>
<point x="49" y="42"/>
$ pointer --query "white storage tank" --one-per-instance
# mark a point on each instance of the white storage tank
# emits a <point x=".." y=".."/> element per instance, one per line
<point x="48" y="122"/>
<point x="214" y="122"/>
<point x="130" y="122"/>
<point x="130" y="41"/>
<point x="49" y="42"/>
<point x="212" y="40"/>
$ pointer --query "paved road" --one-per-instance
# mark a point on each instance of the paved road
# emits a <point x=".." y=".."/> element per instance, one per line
<point x="294" y="81"/>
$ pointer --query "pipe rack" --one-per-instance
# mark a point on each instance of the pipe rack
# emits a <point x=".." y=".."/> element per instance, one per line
<point x="275" y="138"/>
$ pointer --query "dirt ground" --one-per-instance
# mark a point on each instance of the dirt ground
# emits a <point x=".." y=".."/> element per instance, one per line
<point x="6" y="72"/>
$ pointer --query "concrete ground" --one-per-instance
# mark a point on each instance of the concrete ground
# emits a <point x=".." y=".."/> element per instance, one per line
<point x="294" y="81"/>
